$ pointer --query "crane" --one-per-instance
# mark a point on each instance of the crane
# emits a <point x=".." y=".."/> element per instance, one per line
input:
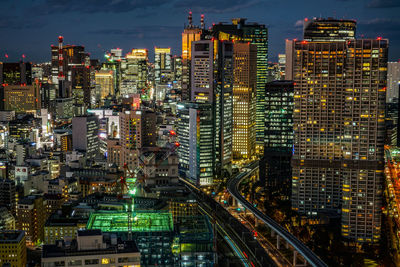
<point x="130" y="180"/>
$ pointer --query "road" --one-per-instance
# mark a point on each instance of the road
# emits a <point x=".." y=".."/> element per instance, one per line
<point x="233" y="189"/>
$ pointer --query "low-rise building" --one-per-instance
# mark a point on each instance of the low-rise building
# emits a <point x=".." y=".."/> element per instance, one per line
<point x="12" y="248"/>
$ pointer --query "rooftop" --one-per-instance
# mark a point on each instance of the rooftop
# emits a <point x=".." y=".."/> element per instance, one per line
<point x="143" y="221"/>
<point x="11" y="236"/>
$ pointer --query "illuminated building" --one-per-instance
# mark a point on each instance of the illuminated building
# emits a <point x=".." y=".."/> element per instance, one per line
<point x="212" y="82"/>
<point x="152" y="230"/>
<point x="393" y="81"/>
<point x="92" y="248"/>
<point x="256" y="34"/>
<point x="184" y="208"/>
<point x="12" y="248"/>
<point x="339" y="105"/>
<point x="278" y="138"/>
<point x="31" y="216"/>
<point x="331" y="30"/>
<point x="190" y="34"/>
<point x="162" y="64"/>
<point x="61" y="228"/>
<point x="22" y="98"/>
<point x="244" y="101"/>
<point x="66" y="142"/>
<point x="15" y="73"/>
<point x="137" y="130"/>
<point x="104" y="85"/>
<point x="282" y="65"/>
<point x="195" y="134"/>
<point x="85" y="135"/>
<point x="7" y="220"/>
<point x="134" y="72"/>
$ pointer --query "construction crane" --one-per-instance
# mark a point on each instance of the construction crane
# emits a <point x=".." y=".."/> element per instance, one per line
<point x="130" y="180"/>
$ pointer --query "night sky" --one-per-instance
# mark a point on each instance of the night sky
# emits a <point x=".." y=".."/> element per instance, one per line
<point x="30" y="26"/>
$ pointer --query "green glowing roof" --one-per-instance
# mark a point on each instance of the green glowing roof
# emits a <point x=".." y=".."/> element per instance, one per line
<point x="142" y="221"/>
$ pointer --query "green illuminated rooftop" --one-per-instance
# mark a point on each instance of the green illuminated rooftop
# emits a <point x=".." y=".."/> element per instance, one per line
<point x="142" y="221"/>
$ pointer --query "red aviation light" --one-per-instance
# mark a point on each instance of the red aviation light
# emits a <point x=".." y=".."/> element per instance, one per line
<point x="172" y="132"/>
<point x="6" y="55"/>
<point x="379" y="38"/>
<point x="177" y="144"/>
<point x="303" y="42"/>
<point x="305" y="19"/>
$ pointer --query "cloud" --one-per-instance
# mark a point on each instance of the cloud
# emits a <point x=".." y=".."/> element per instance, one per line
<point x="383" y="3"/>
<point x="385" y="27"/>
<point x="143" y="32"/>
<point x="92" y="6"/>
<point x="213" y="6"/>
<point x="299" y="23"/>
<point x="17" y="23"/>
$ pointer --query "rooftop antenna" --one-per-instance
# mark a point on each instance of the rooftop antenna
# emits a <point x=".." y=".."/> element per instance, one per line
<point x="202" y="21"/>
<point x="190" y="19"/>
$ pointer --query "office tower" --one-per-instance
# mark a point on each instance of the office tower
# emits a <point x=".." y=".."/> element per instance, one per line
<point x="15" y="73"/>
<point x="212" y="82"/>
<point x="393" y="81"/>
<point x="7" y="220"/>
<point x="137" y="130"/>
<point x="7" y="195"/>
<point x="364" y="135"/>
<point x="162" y="64"/>
<point x="116" y="54"/>
<point x="195" y="133"/>
<point x="21" y="98"/>
<point x="190" y="34"/>
<point x="278" y="137"/>
<point x="104" y="85"/>
<point x="177" y="68"/>
<point x="282" y="65"/>
<point x="256" y="34"/>
<point x="134" y="72"/>
<point x="12" y="248"/>
<point x="339" y="100"/>
<point x="331" y="30"/>
<point x="31" y="216"/>
<point x="85" y="135"/>
<point x="92" y="248"/>
<point x="244" y="100"/>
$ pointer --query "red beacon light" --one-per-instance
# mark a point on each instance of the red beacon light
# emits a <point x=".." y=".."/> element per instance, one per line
<point x="379" y="38"/>
<point x="172" y="132"/>
<point x="177" y="144"/>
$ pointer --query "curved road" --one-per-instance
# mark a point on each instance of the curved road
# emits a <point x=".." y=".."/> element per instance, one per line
<point x="233" y="189"/>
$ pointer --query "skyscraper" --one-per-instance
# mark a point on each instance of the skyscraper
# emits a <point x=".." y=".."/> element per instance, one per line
<point x="190" y="33"/>
<point x="244" y="100"/>
<point x="85" y="135"/>
<point x="134" y="72"/>
<point x="212" y="82"/>
<point x="137" y="130"/>
<point x="104" y="85"/>
<point x="278" y="136"/>
<point x="162" y="64"/>
<point x="339" y="99"/>
<point x="393" y="81"/>
<point x="196" y="151"/>
<point x="256" y="34"/>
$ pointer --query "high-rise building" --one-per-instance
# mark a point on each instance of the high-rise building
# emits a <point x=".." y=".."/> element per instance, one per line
<point x="16" y="73"/>
<point x="212" y="82"/>
<point x="104" y="85"/>
<point x="332" y="30"/>
<point x="20" y="98"/>
<point x="278" y="136"/>
<point x="162" y="64"/>
<point x="256" y="34"/>
<point x="190" y="34"/>
<point x="7" y="195"/>
<point x="244" y="100"/>
<point x="12" y="248"/>
<point x="137" y="130"/>
<point x="31" y="217"/>
<point x="134" y="72"/>
<point x="339" y="104"/>
<point x="393" y="81"/>
<point x="196" y="152"/>
<point x="85" y="135"/>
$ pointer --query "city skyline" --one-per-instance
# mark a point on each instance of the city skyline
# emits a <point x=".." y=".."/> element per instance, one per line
<point x="143" y="24"/>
